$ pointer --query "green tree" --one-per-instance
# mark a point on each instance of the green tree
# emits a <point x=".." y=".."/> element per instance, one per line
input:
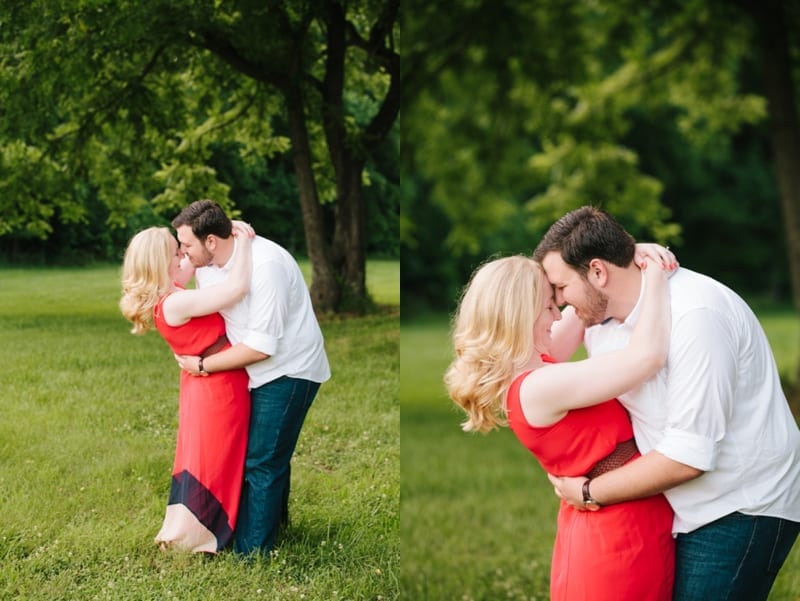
<point x="127" y="101"/>
<point x="518" y="121"/>
<point x="514" y="124"/>
<point x="518" y="112"/>
<point x="776" y="24"/>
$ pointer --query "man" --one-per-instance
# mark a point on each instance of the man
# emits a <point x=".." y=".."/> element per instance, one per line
<point x="276" y="337"/>
<point x="714" y="428"/>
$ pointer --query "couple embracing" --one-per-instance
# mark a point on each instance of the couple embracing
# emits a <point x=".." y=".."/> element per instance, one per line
<point x="252" y="359"/>
<point x="672" y="447"/>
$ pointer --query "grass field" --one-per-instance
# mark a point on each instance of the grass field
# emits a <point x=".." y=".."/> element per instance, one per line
<point x="86" y="446"/>
<point x="477" y="512"/>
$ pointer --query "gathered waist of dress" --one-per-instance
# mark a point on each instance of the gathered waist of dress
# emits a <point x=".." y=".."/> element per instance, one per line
<point x="624" y="452"/>
<point x="216" y="347"/>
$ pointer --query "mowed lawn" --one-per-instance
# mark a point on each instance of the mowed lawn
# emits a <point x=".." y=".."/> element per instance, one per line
<point x="87" y="439"/>
<point x="477" y="512"/>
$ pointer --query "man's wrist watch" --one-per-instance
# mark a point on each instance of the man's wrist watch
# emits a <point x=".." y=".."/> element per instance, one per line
<point x="588" y="502"/>
<point x="200" y="367"/>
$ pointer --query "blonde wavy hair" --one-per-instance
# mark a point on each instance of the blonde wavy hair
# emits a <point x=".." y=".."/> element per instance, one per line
<point x="492" y="334"/>
<point x="145" y="276"/>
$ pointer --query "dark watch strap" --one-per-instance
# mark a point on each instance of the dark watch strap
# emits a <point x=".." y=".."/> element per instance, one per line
<point x="587" y="495"/>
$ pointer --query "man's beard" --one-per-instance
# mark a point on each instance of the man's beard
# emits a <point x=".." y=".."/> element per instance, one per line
<point x="203" y="261"/>
<point x="594" y="309"/>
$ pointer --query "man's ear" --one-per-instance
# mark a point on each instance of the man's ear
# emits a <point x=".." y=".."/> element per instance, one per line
<point x="210" y="243"/>
<point x="597" y="273"/>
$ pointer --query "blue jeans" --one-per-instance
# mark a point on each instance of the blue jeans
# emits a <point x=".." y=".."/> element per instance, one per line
<point x="735" y="558"/>
<point x="277" y="412"/>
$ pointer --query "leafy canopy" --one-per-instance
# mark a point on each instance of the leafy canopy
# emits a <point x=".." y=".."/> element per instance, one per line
<point x="514" y="124"/>
<point x="126" y="101"/>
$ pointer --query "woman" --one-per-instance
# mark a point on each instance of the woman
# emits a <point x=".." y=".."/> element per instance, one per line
<point x="504" y="372"/>
<point x="213" y="410"/>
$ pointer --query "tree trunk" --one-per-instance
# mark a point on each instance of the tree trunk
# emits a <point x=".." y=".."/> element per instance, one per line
<point x="349" y="242"/>
<point x="784" y="124"/>
<point x="349" y="245"/>
<point x="326" y="290"/>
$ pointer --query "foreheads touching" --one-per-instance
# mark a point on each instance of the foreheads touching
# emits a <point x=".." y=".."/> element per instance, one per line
<point x="584" y="234"/>
<point x="205" y="218"/>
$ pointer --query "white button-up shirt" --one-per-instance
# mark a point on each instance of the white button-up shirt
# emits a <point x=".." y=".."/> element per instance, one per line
<point x="717" y="405"/>
<point x="276" y="316"/>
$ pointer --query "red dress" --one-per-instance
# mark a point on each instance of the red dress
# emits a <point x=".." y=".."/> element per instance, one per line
<point x="622" y="552"/>
<point x="213" y="419"/>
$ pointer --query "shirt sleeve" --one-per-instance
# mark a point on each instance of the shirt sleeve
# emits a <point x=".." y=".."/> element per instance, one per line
<point x="702" y="368"/>
<point x="269" y="307"/>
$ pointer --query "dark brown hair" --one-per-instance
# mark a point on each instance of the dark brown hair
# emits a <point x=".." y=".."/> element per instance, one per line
<point x="205" y="217"/>
<point x="585" y="234"/>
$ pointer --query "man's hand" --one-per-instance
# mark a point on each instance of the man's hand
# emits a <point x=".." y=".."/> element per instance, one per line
<point x="569" y="489"/>
<point x="190" y="364"/>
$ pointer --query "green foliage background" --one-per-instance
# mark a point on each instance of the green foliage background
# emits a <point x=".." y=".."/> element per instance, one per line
<point x="518" y="112"/>
<point x="265" y="195"/>
<point x="118" y="114"/>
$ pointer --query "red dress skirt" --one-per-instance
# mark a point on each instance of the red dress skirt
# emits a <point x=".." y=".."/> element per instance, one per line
<point x="213" y="419"/>
<point x="622" y="552"/>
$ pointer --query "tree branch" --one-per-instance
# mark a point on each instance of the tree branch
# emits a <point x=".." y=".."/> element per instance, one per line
<point x="380" y="46"/>
<point x="89" y="119"/>
<point x="333" y="85"/>
<point x="383" y="120"/>
<point x="219" y="45"/>
<point x="241" y="112"/>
